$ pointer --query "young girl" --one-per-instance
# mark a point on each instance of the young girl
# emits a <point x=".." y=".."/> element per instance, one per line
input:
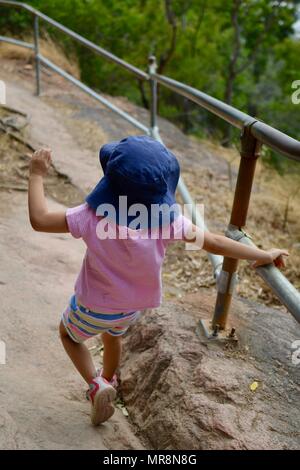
<point x="121" y="270"/>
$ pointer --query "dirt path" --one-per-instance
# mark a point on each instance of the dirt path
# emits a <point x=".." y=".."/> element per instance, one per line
<point x="42" y="404"/>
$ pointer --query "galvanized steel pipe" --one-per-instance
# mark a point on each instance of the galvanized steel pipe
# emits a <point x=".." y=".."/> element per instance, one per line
<point x="196" y="217"/>
<point x="278" y="283"/>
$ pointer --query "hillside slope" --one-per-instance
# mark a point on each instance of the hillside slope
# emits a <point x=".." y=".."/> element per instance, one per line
<point x="41" y="397"/>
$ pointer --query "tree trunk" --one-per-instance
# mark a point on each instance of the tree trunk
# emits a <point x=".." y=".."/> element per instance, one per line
<point x="144" y="98"/>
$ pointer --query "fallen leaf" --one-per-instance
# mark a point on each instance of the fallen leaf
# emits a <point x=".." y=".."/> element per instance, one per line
<point x="253" y="386"/>
<point x="125" y="412"/>
<point x="123" y="409"/>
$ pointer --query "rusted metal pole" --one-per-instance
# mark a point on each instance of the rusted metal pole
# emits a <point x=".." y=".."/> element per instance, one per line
<point x="250" y="151"/>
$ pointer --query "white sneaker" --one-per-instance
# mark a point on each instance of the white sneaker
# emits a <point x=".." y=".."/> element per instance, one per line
<point x="114" y="381"/>
<point x="101" y="394"/>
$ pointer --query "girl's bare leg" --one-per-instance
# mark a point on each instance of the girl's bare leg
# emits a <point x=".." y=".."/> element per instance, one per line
<point x="111" y="354"/>
<point x="79" y="355"/>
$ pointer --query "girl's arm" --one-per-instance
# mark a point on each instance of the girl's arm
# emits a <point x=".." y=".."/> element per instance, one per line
<point x="40" y="218"/>
<point x="220" y="245"/>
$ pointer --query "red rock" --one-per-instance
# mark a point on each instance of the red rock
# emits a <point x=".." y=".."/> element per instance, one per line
<point x="183" y="392"/>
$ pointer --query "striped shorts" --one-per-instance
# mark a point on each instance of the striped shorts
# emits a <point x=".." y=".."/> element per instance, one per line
<point x="82" y="324"/>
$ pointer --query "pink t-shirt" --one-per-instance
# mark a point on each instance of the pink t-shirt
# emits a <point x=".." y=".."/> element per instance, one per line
<point x="122" y="274"/>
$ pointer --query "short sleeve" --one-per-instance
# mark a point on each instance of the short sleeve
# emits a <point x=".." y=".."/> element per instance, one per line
<point x="178" y="230"/>
<point x="77" y="220"/>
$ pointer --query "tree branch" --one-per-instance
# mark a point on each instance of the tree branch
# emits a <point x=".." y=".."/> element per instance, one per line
<point x="198" y="25"/>
<point x="167" y="55"/>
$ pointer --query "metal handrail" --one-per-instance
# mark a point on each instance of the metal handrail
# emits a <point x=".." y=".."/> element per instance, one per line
<point x="216" y="260"/>
<point x="286" y="292"/>
<point x="267" y="135"/>
<point x="17" y="42"/>
<point x="254" y="134"/>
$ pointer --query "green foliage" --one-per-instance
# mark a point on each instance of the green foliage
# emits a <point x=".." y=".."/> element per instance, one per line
<point x="240" y="51"/>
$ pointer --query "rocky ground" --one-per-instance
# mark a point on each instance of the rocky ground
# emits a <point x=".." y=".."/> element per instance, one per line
<point x="184" y="392"/>
<point x="194" y="394"/>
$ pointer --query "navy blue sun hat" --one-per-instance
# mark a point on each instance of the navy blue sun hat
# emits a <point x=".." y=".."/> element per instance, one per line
<point x="146" y="172"/>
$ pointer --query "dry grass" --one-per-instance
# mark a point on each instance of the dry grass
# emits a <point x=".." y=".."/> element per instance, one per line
<point x="48" y="48"/>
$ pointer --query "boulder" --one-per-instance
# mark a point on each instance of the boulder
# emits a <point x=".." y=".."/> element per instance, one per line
<point x="183" y="391"/>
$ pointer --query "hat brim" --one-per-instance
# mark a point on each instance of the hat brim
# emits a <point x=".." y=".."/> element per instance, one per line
<point x="106" y="202"/>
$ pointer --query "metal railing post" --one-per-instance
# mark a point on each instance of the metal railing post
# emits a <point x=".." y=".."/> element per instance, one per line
<point x="36" y="54"/>
<point x="152" y="66"/>
<point x="250" y="151"/>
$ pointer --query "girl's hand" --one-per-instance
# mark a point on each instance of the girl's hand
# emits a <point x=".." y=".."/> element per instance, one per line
<point x="275" y="256"/>
<point x="40" y="162"/>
